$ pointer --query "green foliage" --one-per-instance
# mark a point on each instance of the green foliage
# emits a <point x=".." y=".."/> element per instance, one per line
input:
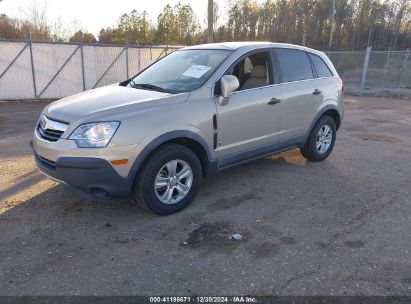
<point x="81" y="36"/>
<point x="106" y="35"/>
<point x="134" y="28"/>
<point x="177" y="25"/>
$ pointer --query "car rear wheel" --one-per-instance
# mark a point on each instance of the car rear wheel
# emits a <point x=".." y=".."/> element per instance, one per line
<point x="169" y="180"/>
<point x="321" y="140"/>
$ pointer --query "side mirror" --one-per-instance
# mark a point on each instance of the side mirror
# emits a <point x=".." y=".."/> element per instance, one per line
<point x="229" y="83"/>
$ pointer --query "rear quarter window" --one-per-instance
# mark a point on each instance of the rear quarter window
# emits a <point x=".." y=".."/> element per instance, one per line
<point x="320" y="66"/>
<point x="294" y="65"/>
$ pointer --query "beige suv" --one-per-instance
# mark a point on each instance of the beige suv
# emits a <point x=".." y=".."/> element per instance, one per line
<point x="197" y="111"/>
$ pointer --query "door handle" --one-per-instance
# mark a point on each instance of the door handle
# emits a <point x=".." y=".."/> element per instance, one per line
<point x="317" y="92"/>
<point x="274" y="101"/>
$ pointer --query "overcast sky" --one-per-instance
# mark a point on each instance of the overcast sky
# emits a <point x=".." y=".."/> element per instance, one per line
<point x="92" y="15"/>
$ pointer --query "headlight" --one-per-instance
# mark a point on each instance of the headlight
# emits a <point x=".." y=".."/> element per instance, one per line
<point x="94" y="135"/>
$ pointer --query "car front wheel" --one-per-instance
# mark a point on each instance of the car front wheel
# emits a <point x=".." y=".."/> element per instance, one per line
<point x="169" y="180"/>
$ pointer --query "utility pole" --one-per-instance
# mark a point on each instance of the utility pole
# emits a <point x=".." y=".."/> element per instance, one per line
<point x="210" y="21"/>
<point x="304" y="38"/>
<point x="332" y="25"/>
<point x="369" y="42"/>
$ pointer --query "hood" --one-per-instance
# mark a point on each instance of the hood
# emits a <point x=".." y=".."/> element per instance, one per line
<point x="105" y="99"/>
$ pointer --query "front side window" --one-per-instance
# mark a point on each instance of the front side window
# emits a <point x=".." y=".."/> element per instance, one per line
<point x="320" y="66"/>
<point x="294" y="65"/>
<point x="252" y="71"/>
<point x="181" y="71"/>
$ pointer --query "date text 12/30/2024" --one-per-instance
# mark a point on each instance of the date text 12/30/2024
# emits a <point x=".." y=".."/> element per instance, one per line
<point x="204" y="299"/>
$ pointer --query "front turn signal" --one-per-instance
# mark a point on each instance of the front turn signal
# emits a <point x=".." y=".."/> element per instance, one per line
<point x="119" y="162"/>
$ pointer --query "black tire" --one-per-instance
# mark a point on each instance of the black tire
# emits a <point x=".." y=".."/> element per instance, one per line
<point x="310" y="151"/>
<point x="144" y="191"/>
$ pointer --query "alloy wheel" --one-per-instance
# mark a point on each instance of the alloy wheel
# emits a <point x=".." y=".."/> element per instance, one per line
<point x="324" y="139"/>
<point x="173" y="181"/>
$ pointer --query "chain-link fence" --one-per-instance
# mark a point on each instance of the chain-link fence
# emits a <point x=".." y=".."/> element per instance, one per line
<point x="41" y="70"/>
<point x="44" y="70"/>
<point x="375" y="72"/>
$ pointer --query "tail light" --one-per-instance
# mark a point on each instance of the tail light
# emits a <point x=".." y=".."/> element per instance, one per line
<point x="341" y="82"/>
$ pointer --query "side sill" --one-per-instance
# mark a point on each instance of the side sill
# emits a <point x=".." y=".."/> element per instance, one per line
<point x="247" y="156"/>
<point x="259" y="156"/>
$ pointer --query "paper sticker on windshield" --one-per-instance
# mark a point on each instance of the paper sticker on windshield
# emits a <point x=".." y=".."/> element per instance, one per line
<point x="196" y="71"/>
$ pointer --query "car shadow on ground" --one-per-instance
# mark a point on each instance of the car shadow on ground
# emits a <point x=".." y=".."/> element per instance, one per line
<point x="231" y="196"/>
<point x="21" y="183"/>
<point x="235" y="189"/>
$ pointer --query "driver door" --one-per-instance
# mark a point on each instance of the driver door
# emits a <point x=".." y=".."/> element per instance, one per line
<point x="248" y="126"/>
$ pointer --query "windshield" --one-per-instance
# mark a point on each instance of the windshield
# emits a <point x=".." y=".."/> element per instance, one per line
<point x="181" y="71"/>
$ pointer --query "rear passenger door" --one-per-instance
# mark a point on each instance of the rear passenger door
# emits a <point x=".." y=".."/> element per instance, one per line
<point x="325" y="79"/>
<point x="301" y="94"/>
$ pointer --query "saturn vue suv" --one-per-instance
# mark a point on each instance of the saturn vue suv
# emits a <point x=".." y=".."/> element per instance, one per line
<point x="197" y="111"/>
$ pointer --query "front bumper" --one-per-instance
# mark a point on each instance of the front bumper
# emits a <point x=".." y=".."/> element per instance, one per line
<point x="95" y="178"/>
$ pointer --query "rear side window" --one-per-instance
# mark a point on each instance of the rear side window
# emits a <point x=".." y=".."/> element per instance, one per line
<point x="294" y="65"/>
<point x="320" y="66"/>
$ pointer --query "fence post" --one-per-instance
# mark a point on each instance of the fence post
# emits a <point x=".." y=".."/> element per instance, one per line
<point x="139" y="59"/>
<point x="83" y="74"/>
<point x="127" y="65"/>
<point x="365" y="69"/>
<point x="33" y="74"/>
<point x="386" y="66"/>
<point x="404" y="68"/>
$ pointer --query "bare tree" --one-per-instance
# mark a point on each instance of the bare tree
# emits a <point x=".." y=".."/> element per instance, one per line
<point x="36" y="22"/>
<point x="357" y="23"/>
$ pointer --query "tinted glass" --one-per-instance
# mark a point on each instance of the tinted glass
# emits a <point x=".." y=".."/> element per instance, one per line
<point x="294" y="65"/>
<point x="320" y="66"/>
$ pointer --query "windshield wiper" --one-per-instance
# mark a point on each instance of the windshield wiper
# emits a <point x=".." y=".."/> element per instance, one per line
<point x="150" y="87"/>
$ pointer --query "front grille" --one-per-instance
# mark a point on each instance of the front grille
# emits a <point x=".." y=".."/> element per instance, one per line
<point x="49" y="135"/>
<point x="50" y="130"/>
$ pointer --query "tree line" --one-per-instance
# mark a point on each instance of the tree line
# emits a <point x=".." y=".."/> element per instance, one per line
<point x="357" y="24"/>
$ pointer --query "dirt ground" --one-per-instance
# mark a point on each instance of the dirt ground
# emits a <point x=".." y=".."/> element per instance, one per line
<point x="339" y="227"/>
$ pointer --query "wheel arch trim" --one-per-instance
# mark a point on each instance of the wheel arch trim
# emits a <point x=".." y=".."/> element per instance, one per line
<point x="155" y="143"/>
<point x="321" y="113"/>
